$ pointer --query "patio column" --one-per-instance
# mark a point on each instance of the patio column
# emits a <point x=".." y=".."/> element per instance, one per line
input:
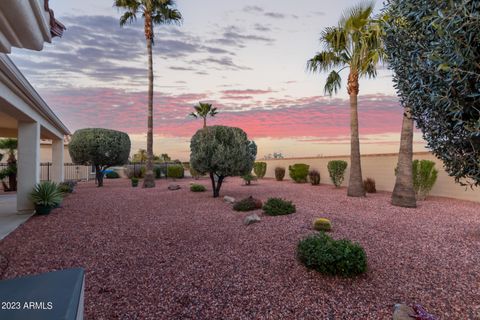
<point x="57" y="160"/>
<point x="28" y="163"/>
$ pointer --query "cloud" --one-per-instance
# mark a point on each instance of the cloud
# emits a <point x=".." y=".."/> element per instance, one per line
<point x="247" y="92"/>
<point x="254" y="9"/>
<point x="222" y="62"/>
<point x="236" y="37"/>
<point x="275" y="15"/>
<point x="261" y="27"/>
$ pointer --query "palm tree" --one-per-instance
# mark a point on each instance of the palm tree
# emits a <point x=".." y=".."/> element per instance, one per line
<point x="203" y="110"/>
<point x="403" y="194"/>
<point x="154" y="12"/>
<point x="10" y="145"/>
<point x="356" y="43"/>
<point x="140" y="156"/>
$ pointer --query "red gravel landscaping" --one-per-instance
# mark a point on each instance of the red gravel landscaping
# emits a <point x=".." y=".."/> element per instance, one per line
<point x="160" y="254"/>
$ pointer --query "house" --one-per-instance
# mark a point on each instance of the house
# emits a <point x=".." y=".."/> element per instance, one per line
<point x="23" y="113"/>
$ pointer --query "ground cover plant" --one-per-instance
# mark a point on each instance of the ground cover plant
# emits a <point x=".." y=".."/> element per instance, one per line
<point x="278" y="207"/>
<point x="198" y="188"/>
<point x="322" y="224"/>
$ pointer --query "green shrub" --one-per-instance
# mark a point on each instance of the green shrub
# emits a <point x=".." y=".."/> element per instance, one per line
<point x="197" y="188"/>
<point x="424" y="177"/>
<point x="175" y="171"/>
<point x="369" y="185"/>
<point x="134" y="182"/>
<point x="248" y="178"/>
<point x="279" y="173"/>
<point x="47" y="194"/>
<point x="247" y="204"/>
<point x="336" y="170"/>
<point x="67" y="186"/>
<point x="112" y="175"/>
<point x="260" y="168"/>
<point x="158" y="172"/>
<point x="314" y="177"/>
<point x="322" y="224"/>
<point x="299" y="172"/>
<point x="194" y="173"/>
<point x="332" y="257"/>
<point x="278" y="207"/>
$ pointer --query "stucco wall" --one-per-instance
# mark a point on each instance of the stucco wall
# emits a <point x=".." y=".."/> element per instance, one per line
<point x="381" y="168"/>
<point x="46" y="154"/>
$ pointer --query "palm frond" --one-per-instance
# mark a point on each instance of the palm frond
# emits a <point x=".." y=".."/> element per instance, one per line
<point x="357" y="17"/>
<point x="333" y="83"/>
<point x="164" y="12"/>
<point x="324" y="61"/>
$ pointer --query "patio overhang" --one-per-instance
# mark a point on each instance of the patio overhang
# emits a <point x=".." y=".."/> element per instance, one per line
<point x="27" y="24"/>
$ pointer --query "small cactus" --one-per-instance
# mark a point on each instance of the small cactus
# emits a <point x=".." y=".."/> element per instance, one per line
<point x="322" y="224"/>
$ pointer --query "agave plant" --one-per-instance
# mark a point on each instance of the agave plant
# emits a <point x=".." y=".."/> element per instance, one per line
<point x="46" y="194"/>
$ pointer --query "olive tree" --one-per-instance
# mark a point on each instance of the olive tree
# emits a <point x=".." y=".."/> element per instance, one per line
<point x="433" y="48"/>
<point x="99" y="147"/>
<point x="222" y="151"/>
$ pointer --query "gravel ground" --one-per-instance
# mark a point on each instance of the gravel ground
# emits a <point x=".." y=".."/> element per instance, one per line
<point x="160" y="254"/>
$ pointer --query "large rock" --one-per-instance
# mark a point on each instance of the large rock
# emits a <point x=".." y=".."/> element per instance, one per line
<point x="229" y="199"/>
<point x="402" y="312"/>
<point x="174" y="187"/>
<point x="251" y="219"/>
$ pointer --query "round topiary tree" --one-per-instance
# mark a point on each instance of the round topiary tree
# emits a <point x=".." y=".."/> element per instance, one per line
<point x="222" y="151"/>
<point x="99" y="147"/>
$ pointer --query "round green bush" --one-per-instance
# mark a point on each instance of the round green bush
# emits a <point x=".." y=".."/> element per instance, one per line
<point x="332" y="257"/>
<point x="322" y="224"/>
<point x="299" y="172"/>
<point x="197" y="188"/>
<point x="175" y="171"/>
<point x="112" y="175"/>
<point x="278" y="207"/>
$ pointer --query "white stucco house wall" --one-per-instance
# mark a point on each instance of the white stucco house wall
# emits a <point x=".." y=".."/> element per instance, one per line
<point x="24" y="114"/>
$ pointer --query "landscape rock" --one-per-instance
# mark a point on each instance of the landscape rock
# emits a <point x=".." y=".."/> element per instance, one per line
<point x="251" y="219"/>
<point x="229" y="199"/>
<point x="402" y="312"/>
<point x="174" y="187"/>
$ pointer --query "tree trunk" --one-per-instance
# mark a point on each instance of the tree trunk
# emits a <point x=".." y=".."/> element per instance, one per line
<point x="149" y="180"/>
<point x="355" y="184"/>
<point x="99" y="175"/>
<point x="12" y="177"/>
<point x="205" y="122"/>
<point x="216" y="186"/>
<point x="403" y="194"/>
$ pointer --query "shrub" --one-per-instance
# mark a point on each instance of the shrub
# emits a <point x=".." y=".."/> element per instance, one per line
<point x="248" y="178"/>
<point x="194" y="173"/>
<point x="112" y="175"/>
<point x="332" y="257"/>
<point x="158" y="172"/>
<point x="369" y="185"/>
<point x="46" y="194"/>
<point x="247" y="204"/>
<point x="222" y="151"/>
<point x="260" y="168"/>
<point x="314" y="177"/>
<point x="424" y="177"/>
<point x="322" y="224"/>
<point x="175" y="171"/>
<point x="197" y="188"/>
<point x="279" y="173"/>
<point x="67" y="186"/>
<point x="299" y="172"/>
<point x="278" y="207"/>
<point x="336" y="170"/>
<point x="134" y="182"/>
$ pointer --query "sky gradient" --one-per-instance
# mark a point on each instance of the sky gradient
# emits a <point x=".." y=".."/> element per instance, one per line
<point x="246" y="58"/>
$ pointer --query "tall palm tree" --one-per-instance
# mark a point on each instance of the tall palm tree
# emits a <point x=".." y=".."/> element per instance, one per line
<point x="203" y="110"/>
<point x="403" y="194"/>
<point x="355" y="43"/>
<point x="154" y="12"/>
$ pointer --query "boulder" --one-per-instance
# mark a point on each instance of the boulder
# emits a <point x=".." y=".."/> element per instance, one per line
<point x="251" y="219"/>
<point x="174" y="187"/>
<point x="402" y="312"/>
<point x="229" y="199"/>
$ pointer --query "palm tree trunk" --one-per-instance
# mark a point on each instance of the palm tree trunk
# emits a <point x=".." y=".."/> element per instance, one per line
<point x="403" y="194"/>
<point x="355" y="184"/>
<point x="149" y="180"/>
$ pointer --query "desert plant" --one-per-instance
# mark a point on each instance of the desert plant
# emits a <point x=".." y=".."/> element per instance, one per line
<point x="248" y="178"/>
<point x="194" y="173"/>
<point x="278" y="207"/>
<point x="247" y="204"/>
<point x="46" y="195"/>
<point x="336" y="170"/>
<point x="369" y="185"/>
<point x="332" y="257"/>
<point x="203" y="110"/>
<point x="101" y="148"/>
<point x="158" y="172"/>
<point x="67" y="186"/>
<point x="299" y="172"/>
<point x="279" y="173"/>
<point x="197" y="188"/>
<point x="260" y="168"/>
<point x="112" y="175"/>
<point x="314" y="177"/>
<point x="424" y="177"/>
<point x="175" y="171"/>
<point x="134" y="182"/>
<point x="322" y="224"/>
<point x="222" y="151"/>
